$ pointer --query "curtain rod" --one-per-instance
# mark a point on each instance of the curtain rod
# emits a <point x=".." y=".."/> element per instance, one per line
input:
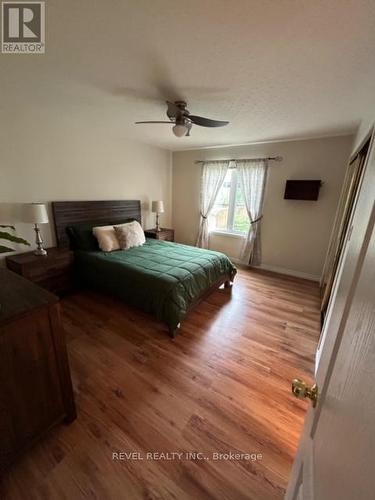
<point x="270" y="158"/>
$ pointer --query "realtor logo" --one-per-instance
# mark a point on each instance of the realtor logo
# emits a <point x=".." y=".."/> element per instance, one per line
<point x="23" y="28"/>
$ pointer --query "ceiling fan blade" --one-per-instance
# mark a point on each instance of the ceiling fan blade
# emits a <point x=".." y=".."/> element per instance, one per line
<point x="206" y="122"/>
<point x="169" y="123"/>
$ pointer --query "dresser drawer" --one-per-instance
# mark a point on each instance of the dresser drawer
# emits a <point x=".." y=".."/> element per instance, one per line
<point x="165" y="236"/>
<point x="53" y="272"/>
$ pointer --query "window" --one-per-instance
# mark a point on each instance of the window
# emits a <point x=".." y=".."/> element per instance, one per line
<point x="229" y="212"/>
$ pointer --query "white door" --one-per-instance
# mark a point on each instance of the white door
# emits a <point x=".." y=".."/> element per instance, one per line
<point x="336" y="455"/>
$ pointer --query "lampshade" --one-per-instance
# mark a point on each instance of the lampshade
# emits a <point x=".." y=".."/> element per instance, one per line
<point x="35" y="213"/>
<point x="179" y="130"/>
<point x="158" y="207"/>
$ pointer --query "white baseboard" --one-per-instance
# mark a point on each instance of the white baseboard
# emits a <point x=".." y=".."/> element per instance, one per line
<point x="290" y="272"/>
<point x="283" y="270"/>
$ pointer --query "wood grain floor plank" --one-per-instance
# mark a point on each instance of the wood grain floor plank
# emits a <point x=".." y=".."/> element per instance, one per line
<point x="223" y="385"/>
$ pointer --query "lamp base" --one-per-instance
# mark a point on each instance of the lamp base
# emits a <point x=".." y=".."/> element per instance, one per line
<point x="39" y="242"/>
<point x="40" y="251"/>
<point x="157" y="223"/>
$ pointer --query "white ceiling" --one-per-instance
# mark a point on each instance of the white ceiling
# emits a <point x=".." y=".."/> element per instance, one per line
<point x="276" y="69"/>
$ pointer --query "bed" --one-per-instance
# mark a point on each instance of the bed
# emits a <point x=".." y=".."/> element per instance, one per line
<point x="162" y="278"/>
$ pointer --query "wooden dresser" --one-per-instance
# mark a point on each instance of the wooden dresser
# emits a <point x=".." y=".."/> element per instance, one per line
<point x="35" y="384"/>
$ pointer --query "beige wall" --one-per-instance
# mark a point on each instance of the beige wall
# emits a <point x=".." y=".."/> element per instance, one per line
<point x="48" y="156"/>
<point x="295" y="234"/>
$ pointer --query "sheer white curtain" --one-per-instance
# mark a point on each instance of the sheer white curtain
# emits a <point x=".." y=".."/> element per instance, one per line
<point x="253" y="175"/>
<point x="213" y="175"/>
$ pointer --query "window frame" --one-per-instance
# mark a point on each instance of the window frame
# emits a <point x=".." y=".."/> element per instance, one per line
<point x="231" y="209"/>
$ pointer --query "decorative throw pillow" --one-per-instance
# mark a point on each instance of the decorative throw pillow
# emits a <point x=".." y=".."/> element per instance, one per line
<point x="130" y="235"/>
<point x="81" y="237"/>
<point x="106" y="237"/>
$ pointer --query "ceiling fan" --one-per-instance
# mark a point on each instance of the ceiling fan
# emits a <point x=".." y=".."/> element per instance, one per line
<point x="183" y="120"/>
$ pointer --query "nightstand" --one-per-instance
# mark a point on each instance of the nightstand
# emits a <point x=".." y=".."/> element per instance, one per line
<point x="53" y="271"/>
<point x="163" y="234"/>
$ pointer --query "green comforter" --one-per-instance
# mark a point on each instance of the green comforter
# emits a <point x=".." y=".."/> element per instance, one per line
<point x="159" y="277"/>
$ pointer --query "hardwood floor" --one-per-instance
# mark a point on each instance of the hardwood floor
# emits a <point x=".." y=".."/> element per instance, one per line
<point x="223" y="385"/>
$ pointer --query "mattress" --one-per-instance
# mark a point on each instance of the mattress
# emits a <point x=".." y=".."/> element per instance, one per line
<point x="161" y="278"/>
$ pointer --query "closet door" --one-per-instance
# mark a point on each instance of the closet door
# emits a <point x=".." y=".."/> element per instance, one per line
<point x="347" y="201"/>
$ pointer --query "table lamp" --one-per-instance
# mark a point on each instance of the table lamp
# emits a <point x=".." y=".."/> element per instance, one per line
<point x="36" y="213"/>
<point x="158" y="208"/>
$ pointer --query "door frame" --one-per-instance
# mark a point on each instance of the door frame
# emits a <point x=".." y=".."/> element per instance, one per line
<point x="344" y="287"/>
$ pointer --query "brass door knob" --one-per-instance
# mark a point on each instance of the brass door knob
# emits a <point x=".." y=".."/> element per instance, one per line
<point x="301" y="390"/>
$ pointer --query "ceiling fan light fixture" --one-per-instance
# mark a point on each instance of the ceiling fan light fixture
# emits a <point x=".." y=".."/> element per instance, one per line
<point x="180" y="130"/>
<point x="183" y="120"/>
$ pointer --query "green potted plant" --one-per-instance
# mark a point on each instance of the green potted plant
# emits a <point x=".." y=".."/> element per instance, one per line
<point x="6" y="235"/>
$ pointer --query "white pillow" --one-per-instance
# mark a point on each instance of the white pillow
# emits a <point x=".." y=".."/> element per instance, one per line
<point x="106" y="237"/>
<point x="130" y="235"/>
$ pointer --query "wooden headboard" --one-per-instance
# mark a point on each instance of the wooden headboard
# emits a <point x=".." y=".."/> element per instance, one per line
<point x="68" y="213"/>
